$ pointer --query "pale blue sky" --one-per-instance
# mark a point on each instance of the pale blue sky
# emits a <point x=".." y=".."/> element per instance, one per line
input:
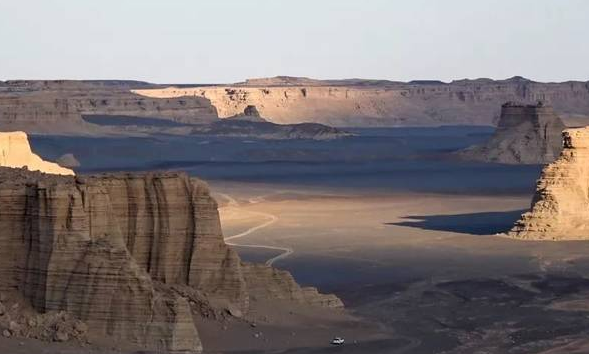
<point x="194" y="41"/>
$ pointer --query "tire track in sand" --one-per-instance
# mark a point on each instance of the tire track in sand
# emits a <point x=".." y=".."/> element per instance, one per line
<point x="271" y="219"/>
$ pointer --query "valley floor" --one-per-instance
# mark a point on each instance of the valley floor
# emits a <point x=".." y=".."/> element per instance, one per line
<point x="428" y="268"/>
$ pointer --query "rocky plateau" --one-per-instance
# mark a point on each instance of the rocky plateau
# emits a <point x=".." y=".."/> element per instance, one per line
<point x="356" y="102"/>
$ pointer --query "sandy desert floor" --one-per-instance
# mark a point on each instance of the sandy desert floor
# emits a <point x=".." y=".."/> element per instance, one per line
<point x="427" y="268"/>
<point x="403" y="233"/>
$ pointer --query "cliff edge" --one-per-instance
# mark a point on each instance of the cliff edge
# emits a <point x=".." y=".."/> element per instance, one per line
<point x="560" y="207"/>
<point x="15" y="151"/>
<point x="136" y="257"/>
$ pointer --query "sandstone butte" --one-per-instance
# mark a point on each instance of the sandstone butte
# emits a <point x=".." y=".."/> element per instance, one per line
<point x="525" y="134"/>
<point x="132" y="256"/>
<point x="560" y="207"/>
<point x="15" y="151"/>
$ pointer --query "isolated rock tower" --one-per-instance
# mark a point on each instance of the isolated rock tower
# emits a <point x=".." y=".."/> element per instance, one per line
<point x="526" y="134"/>
<point x="560" y="208"/>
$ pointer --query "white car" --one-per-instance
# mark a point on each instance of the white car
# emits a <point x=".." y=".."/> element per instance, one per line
<point x="337" y="341"/>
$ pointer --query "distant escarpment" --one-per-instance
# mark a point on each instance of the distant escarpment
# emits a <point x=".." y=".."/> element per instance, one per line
<point x="526" y="134"/>
<point x="359" y="102"/>
<point x="135" y="257"/>
<point x="15" y="151"/>
<point x="559" y="207"/>
<point x="110" y="108"/>
<point x="57" y="107"/>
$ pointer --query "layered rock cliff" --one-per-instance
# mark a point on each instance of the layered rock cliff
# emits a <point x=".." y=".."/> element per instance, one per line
<point x="134" y="256"/>
<point x="58" y="106"/>
<point x="383" y="103"/>
<point x="15" y="151"/>
<point x="560" y="207"/>
<point x="526" y="134"/>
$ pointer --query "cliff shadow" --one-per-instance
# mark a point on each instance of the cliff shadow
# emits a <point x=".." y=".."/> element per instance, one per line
<point x="486" y="223"/>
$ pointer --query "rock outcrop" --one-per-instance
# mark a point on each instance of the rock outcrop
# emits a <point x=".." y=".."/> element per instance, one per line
<point x="265" y="282"/>
<point x="358" y="102"/>
<point x="15" y="151"/>
<point x="526" y="134"/>
<point x="560" y="207"/>
<point x="68" y="160"/>
<point x="133" y="256"/>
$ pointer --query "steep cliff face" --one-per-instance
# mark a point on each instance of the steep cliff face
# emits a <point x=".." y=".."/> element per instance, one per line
<point x="560" y="207"/>
<point x="382" y="103"/>
<point x="58" y="106"/>
<point x="15" y="151"/>
<point x="129" y="254"/>
<point x="526" y="134"/>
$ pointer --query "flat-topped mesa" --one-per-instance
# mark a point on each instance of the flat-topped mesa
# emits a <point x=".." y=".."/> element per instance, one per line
<point x="135" y="256"/>
<point x="356" y="102"/>
<point x="525" y="134"/>
<point x="15" y="151"/>
<point x="59" y="107"/>
<point x="560" y="207"/>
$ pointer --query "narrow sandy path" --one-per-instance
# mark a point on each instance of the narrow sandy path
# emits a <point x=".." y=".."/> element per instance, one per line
<point x="271" y="219"/>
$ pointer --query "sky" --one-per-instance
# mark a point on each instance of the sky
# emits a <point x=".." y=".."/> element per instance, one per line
<point x="224" y="41"/>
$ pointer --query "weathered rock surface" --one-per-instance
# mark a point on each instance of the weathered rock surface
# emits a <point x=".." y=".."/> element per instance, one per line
<point x="57" y="107"/>
<point x="134" y="256"/>
<point x="560" y="207"/>
<point x="15" y="151"/>
<point x="356" y="102"/>
<point x="526" y="134"/>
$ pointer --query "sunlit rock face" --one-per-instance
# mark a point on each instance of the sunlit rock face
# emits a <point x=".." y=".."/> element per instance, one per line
<point x="560" y="207"/>
<point x="15" y="151"/>
<point x="135" y="256"/>
<point x="356" y="102"/>
<point x="526" y="134"/>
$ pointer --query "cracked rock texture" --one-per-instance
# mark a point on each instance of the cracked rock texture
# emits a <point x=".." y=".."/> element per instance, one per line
<point x="114" y="250"/>
<point x="560" y="207"/>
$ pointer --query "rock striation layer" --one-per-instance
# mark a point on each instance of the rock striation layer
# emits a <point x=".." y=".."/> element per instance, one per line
<point x="134" y="256"/>
<point x="57" y="106"/>
<point x="526" y="134"/>
<point x="560" y="207"/>
<point x="356" y="102"/>
<point x="15" y="151"/>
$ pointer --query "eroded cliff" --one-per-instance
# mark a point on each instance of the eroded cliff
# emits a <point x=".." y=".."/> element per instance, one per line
<point x="57" y="107"/>
<point x="382" y="103"/>
<point x="560" y="207"/>
<point x="134" y="256"/>
<point x="15" y="151"/>
<point x="525" y="134"/>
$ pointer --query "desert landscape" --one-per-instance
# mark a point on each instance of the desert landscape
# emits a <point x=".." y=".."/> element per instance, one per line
<point x="294" y="177"/>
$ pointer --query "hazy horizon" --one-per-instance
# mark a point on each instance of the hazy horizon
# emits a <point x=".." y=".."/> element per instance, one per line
<point x="229" y="41"/>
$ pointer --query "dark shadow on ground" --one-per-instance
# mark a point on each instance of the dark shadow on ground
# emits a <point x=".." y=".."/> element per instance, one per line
<point x="488" y="223"/>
